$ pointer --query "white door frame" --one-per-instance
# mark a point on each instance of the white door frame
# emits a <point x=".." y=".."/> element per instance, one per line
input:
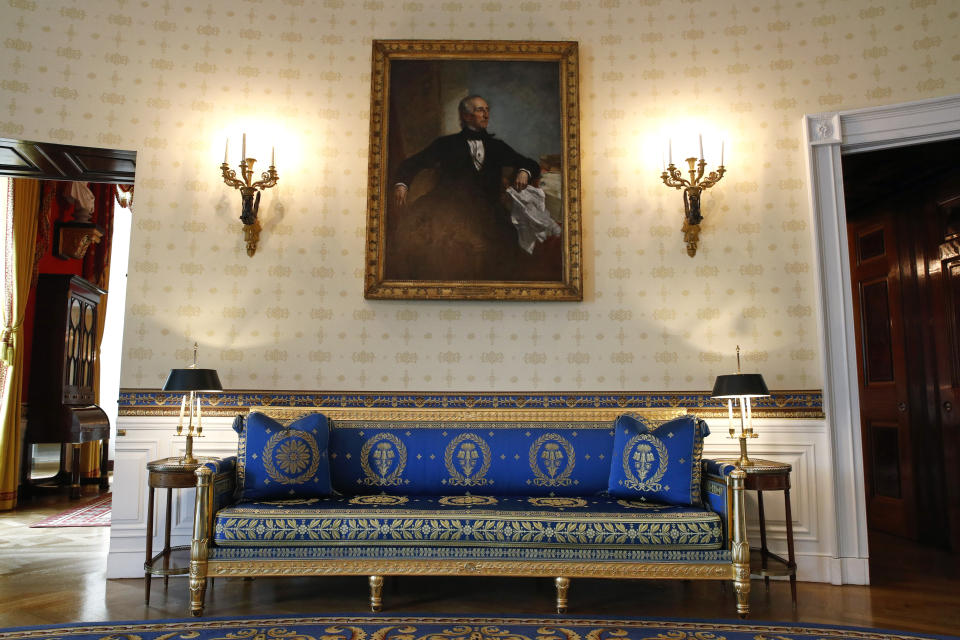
<point x="828" y="136"/>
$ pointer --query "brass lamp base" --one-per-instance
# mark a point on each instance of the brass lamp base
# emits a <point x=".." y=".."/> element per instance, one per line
<point x="743" y="461"/>
<point x="187" y="457"/>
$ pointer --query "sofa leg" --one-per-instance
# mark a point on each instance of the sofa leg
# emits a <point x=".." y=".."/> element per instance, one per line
<point x="563" y="585"/>
<point x="198" y="589"/>
<point x="742" y="588"/>
<point x="376" y="593"/>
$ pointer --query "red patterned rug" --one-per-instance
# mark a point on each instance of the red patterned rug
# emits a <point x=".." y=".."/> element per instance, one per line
<point x="95" y="513"/>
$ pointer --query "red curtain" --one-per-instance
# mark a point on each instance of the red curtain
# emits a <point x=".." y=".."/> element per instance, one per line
<point x="58" y="207"/>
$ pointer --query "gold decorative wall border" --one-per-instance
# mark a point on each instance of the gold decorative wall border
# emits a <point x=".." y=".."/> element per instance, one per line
<point x="781" y="404"/>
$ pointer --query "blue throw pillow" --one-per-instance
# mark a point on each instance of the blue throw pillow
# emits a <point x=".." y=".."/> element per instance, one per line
<point x="281" y="462"/>
<point x="657" y="462"/>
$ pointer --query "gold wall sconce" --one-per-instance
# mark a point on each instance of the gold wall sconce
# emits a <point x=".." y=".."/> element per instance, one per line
<point x="249" y="191"/>
<point x="692" y="188"/>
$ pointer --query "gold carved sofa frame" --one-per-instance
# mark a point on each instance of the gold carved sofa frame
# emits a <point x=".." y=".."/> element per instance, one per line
<point x="203" y="567"/>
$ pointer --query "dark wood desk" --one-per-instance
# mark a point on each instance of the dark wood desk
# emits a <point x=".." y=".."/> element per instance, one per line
<point x="169" y="474"/>
<point x="62" y="395"/>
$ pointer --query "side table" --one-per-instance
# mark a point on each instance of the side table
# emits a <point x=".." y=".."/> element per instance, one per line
<point x="169" y="474"/>
<point x="768" y="475"/>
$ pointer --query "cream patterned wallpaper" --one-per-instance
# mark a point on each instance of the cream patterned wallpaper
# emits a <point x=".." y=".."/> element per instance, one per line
<point x="172" y="79"/>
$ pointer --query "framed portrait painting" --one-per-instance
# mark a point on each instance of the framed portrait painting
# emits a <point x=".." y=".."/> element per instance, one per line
<point x="474" y="171"/>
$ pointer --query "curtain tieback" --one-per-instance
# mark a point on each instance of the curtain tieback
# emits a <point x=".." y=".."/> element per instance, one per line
<point x="8" y="343"/>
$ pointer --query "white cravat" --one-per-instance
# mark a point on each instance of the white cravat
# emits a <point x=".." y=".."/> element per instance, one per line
<point x="477" y="152"/>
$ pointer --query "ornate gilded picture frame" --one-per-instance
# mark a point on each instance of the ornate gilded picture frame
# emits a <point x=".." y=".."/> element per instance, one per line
<point x="474" y="171"/>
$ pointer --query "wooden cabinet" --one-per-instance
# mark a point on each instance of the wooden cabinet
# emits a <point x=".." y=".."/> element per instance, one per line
<point x="61" y="401"/>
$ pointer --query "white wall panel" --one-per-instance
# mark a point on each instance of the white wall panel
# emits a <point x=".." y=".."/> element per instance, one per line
<point x="146" y="439"/>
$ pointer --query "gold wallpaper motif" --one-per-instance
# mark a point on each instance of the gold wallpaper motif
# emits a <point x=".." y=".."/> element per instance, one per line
<point x="172" y="78"/>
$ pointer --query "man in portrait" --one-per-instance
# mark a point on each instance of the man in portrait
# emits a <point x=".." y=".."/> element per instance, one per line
<point x="461" y="228"/>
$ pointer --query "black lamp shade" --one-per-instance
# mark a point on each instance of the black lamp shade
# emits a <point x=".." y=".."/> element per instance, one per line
<point x="193" y="380"/>
<point x="736" y="385"/>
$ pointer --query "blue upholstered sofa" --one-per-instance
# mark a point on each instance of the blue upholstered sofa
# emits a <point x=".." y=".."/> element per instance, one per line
<point x="485" y="492"/>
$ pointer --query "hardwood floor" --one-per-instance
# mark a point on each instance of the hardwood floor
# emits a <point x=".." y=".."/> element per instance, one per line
<point x="58" y="575"/>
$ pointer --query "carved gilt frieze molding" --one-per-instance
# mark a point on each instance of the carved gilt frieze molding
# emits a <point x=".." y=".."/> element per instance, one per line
<point x="781" y="404"/>
<point x="665" y="570"/>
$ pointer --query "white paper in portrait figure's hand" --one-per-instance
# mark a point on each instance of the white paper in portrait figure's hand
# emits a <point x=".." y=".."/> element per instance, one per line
<point x="530" y="217"/>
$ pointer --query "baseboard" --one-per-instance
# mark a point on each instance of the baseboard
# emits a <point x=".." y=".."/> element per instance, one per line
<point x="125" y="564"/>
<point x="854" y="571"/>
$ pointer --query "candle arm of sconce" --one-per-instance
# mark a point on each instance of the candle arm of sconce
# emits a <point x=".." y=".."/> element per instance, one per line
<point x="713" y="178"/>
<point x="230" y="177"/>
<point x="270" y="179"/>
<point x="671" y="178"/>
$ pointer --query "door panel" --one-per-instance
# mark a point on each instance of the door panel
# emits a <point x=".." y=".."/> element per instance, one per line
<point x="885" y="415"/>
<point x="875" y="311"/>
<point x="903" y="208"/>
<point x="945" y="290"/>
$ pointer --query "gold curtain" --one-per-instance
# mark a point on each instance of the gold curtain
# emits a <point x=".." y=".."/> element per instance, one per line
<point x="20" y="239"/>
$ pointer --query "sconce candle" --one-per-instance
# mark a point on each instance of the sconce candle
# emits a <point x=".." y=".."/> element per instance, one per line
<point x="250" y="191"/>
<point x="692" y="189"/>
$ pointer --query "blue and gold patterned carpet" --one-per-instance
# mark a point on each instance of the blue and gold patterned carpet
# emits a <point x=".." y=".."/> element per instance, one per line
<point x="366" y="627"/>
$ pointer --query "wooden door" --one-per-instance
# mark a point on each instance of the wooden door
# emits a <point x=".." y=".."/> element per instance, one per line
<point x="944" y="270"/>
<point x="884" y="407"/>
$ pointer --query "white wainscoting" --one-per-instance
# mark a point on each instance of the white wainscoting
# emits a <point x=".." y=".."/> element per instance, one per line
<point x="146" y="439"/>
<point x="802" y="443"/>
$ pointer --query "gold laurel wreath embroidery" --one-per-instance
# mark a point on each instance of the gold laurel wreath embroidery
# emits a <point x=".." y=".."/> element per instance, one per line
<point x="457" y="478"/>
<point x="275" y="441"/>
<point x="467" y="501"/>
<point x="695" y="480"/>
<point x="371" y="477"/>
<point x="636" y="504"/>
<point x="557" y="502"/>
<point x="561" y="480"/>
<point x="381" y="500"/>
<point x="653" y="484"/>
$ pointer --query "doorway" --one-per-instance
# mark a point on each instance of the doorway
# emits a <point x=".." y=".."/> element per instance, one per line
<point x="104" y="170"/>
<point x="828" y="137"/>
<point x="903" y="230"/>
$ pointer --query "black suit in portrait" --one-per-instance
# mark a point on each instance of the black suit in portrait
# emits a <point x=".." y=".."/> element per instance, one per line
<point x="460" y="229"/>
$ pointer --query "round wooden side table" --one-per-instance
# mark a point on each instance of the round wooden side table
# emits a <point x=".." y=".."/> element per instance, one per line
<point x="169" y="474"/>
<point x="769" y="475"/>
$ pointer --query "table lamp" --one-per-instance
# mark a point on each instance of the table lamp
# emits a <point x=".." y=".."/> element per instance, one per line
<point x="194" y="380"/>
<point x="741" y="387"/>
